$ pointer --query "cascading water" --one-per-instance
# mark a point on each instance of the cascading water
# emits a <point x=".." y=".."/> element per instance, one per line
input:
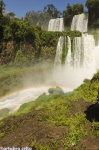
<point x="77" y="44"/>
<point x="80" y="62"/>
<point x="56" y="25"/>
<point x="88" y="51"/>
<point x="68" y="59"/>
<point x="80" y="22"/>
<point x="84" y="54"/>
<point x="59" y="51"/>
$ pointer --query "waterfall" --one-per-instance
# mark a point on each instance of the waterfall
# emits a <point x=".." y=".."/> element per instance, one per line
<point x="68" y="59"/>
<point x="58" y="56"/>
<point x="56" y="25"/>
<point x="80" y="61"/>
<point x="88" y="51"/>
<point x="84" y="53"/>
<point x="80" y="22"/>
<point x="77" y="42"/>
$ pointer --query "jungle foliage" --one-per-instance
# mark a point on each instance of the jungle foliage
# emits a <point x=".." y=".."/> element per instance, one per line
<point x="24" y="38"/>
<point x="42" y="18"/>
<point x="23" y="44"/>
<point x="93" y="10"/>
<point x="70" y="12"/>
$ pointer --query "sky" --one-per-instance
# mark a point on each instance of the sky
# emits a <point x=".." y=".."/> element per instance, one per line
<point x="21" y="7"/>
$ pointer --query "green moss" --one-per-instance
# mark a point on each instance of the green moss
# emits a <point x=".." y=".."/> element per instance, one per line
<point x="38" y="146"/>
<point x="4" y="112"/>
<point x="2" y="135"/>
<point x="2" y="124"/>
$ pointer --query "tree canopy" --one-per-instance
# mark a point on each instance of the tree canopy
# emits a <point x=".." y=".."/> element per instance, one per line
<point x="41" y="18"/>
<point x="71" y="11"/>
<point x="93" y="10"/>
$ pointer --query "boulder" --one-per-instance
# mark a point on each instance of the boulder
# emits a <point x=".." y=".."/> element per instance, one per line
<point x="56" y="90"/>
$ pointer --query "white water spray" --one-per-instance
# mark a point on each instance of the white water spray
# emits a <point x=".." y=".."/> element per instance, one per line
<point x="56" y="25"/>
<point x="80" y="22"/>
<point x="80" y="62"/>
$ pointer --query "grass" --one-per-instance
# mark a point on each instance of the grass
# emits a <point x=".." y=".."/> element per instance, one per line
<point x="59" y="109"/>
<point x="2" y="135"/>
<point x="2" y="124"/>
<point x="56" y="108"/>
<point x="13" y="78"/>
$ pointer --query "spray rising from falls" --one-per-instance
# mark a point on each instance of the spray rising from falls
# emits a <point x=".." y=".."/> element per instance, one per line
<point x="56" y="25"/>
<point x="80" y="22"/>
<point x="80" y="61"/>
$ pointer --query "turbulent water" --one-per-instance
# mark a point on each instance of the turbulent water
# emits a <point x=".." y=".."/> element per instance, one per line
<point x="56" y="25"/>
<point x="80" y="62"/>
<point x="80" y="22"/>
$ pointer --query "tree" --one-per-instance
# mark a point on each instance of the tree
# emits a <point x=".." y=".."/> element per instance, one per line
<point x="51" y="10"/>
<point x="20" y="59"/>
<point x="71" y="11"/>
<point x="93" y="10"/>
<point x="77" y="9"/>
<point x="11" y="15"/>
<point x="2" y="5"/>
<point x="41" y="18"/>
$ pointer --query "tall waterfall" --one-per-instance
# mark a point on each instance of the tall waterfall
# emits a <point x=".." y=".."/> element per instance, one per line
<point x="77" y="45"/>
<point x="80" y="22"/>
<point x="68" y="59"/>
<point x="84" y="54"/>
<point x="56" y="25"/>
<point x="59" y="51"/>
<point x="88" y="43"/>
<point x="80" y="61"/>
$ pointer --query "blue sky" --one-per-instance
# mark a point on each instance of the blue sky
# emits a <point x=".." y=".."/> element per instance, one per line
<point x="21" y="7"/>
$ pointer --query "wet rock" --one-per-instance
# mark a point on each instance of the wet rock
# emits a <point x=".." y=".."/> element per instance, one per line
<point x="56" y="90"/>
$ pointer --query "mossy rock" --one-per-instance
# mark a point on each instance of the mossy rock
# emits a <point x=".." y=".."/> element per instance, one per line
<point x="4" y="112"/>
<point x="56" y="90"/>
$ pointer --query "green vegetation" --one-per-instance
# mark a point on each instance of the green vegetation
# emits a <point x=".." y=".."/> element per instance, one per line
<point x="2" y="124"/>
<point x="2" y="135"/>
<point x="42" y="18"/>
<point x="3" y="113"/>
<point x="15" y="78"/>
<point x="23" y="45"/>
<point x="61" y="110"/>
<point x="35" y="145"/>
<point x="70" y="11"/>
<point x="95" y="128"/>
<point x="93" y="10"/>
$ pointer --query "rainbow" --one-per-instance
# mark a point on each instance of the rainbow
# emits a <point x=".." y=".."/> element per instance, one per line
<point x="14" y="100"/>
